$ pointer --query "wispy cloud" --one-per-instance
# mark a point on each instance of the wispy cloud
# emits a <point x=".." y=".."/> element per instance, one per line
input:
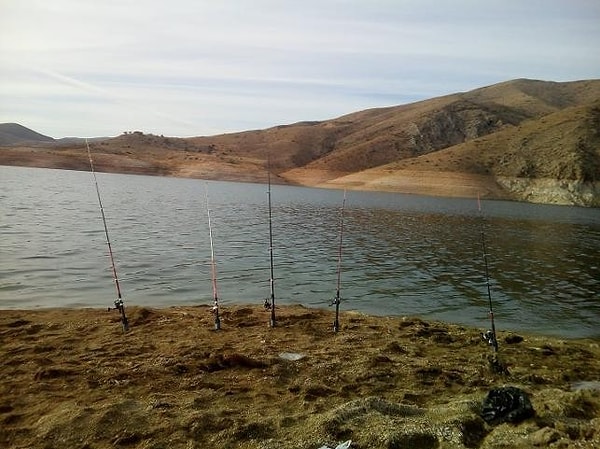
<point x="195" y="67"/>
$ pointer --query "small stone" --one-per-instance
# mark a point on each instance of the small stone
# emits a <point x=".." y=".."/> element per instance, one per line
<point x="513" y="339"/>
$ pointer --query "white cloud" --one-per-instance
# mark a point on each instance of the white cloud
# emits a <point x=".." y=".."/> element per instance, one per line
<point x="196" y="67"/>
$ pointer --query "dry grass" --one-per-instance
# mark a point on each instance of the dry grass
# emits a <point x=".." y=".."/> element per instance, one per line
<point x="70" y="378"/>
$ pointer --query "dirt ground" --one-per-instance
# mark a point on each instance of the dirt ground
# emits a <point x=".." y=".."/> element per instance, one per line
<point x="70" y="378"/>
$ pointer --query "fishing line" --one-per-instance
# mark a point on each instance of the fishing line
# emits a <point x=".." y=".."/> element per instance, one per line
<point x="118" y="304"/>
<point x="215" y="308"/>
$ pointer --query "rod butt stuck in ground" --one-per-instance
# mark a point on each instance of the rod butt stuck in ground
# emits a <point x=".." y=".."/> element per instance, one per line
<point x="118" y="303"/>
<point x="490" y="336"/>
<point x="213" y="268"/>
<point x="270" y="302"/>
<point x="337" y="299"/>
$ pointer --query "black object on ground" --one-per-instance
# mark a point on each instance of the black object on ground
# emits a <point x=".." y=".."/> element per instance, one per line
<point x="506" y="404"/>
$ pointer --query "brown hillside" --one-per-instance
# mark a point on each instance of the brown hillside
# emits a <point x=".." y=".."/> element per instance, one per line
<point x="375" y="137"/>
<point x="13" y="134"/>
<point x="405" y="132"/>
<point x="537" y="98"/>
<point x="524" y="129"/>
<point x="563" y="146"/>
<point x="139" y="153"/>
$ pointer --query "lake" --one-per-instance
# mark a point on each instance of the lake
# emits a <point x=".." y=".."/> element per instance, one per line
<point x="402" y="254"/>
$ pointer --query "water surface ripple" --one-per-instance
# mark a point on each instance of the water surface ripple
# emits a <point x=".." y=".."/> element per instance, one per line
<point x="403" y="254"/>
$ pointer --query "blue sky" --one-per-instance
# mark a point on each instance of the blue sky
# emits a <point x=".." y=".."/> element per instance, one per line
<point x="201" y="67"/>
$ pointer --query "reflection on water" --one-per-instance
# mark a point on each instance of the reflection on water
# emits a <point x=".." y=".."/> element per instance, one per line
<point x="403" y="254"/>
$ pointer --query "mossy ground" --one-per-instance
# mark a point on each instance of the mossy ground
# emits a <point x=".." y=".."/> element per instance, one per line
<point x="71" y="378"/>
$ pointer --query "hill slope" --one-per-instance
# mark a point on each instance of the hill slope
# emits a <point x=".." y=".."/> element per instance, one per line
<point x="374" y="137"/>
<point x="403" y="132"/>
<point x="555" y="159"/>
<point x="522" y="139"/>
<point x="13" y="133"/>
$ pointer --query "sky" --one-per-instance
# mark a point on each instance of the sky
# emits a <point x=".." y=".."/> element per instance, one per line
<point x="91" y="68"/>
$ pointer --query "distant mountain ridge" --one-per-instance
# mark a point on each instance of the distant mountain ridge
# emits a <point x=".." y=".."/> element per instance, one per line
<point x="14" y="134"/>
<point x="523" y="139"/>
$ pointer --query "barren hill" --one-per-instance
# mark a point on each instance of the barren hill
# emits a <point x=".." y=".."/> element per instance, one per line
<point x="522" y="139"/>
<point x="13" y="133"/>
<point x="524" y="162"/>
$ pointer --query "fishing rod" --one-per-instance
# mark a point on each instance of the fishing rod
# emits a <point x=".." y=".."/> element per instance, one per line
<point x="337" y="299"/>
<point x="270" y="302"/>
<point x="490" y="335"/>
<point x="118" y="304"/>
<point x="215" y="308"/>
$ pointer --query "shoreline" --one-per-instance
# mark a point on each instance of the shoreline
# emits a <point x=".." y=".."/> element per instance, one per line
<point x="436" y="184"/>
<point x="72" y="378"/>
<point x="481" y="326"/>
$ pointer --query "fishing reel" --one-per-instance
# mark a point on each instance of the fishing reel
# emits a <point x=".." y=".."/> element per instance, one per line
<point x="489" y="338"/>
<point x="215" y="311"/>
<point x="336" y="302"/>
<point x="267" y="304"/>
<point x="337" y="299"/>
<point x="118" y="305"/>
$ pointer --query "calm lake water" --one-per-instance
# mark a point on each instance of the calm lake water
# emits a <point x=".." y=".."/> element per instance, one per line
<point x="403" y="254"/>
